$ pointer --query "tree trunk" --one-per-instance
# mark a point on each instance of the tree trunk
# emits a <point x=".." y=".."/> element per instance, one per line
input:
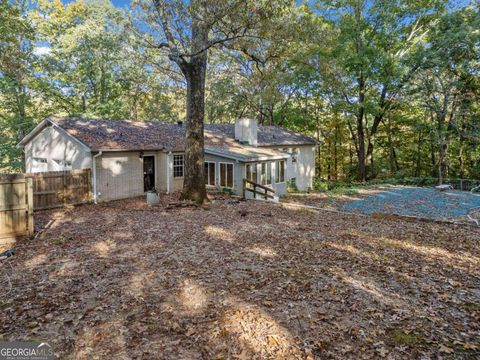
<point x="391" y="149"/>
<point x="362" y="173"/>
<point x="319" y="151"/>
<point x="329" y="167"/>
<point x="335" y="155"/>
<point x="442" y="148"/>
<point x="418" y="161"/>
<point x="194" y="71"/>
<point x="433" y="160"/>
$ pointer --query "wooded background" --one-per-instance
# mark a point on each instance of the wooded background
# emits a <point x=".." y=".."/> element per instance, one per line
<point x="390" y="88"/>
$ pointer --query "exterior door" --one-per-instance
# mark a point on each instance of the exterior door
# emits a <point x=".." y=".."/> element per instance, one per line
<point x="148" y="173"/>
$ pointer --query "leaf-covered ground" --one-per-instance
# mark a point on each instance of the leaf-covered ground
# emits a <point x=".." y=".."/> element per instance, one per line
<point x="243" y="280"/>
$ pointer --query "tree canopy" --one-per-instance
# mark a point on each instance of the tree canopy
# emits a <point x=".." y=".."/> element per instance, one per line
<point x="389" y="88"/>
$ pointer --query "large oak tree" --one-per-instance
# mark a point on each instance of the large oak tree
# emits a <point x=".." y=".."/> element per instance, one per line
<point x="186" y="31"/>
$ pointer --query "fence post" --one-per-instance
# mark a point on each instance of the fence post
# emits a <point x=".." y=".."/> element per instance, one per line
<point x="29" y="184"/>
<point x="89" y="186"/>
<point x="64" y="195"/>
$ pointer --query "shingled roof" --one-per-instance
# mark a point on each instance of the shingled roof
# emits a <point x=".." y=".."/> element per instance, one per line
<point x="155" y="135"/>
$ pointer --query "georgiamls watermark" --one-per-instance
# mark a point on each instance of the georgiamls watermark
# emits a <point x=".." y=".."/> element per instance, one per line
<point x="25" y="350"/>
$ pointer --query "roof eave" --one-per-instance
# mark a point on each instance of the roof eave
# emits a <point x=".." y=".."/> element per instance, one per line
<point x="289" y="144"/>
<point x="43" y="124"/>
<point x="127" y="150"/>
<point x="266" y="158"/>
<point x="245" y="159"/>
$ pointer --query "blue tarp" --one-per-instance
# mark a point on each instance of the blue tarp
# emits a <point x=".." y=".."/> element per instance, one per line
<point x="421" y="202"/>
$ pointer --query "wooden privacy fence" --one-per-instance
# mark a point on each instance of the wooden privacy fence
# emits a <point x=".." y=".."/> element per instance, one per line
<point x="21" y="194"/>
<point x="59" y="188"/>
<point x="16" y="209"/>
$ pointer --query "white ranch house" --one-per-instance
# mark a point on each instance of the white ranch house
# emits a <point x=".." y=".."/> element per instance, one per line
<point x="129" y="158"/>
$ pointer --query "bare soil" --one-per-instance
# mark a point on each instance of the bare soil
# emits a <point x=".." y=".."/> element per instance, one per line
<point x="242" y="280"/>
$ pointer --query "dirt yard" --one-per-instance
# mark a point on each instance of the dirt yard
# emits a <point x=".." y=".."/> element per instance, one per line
<point x="243" y="280"/>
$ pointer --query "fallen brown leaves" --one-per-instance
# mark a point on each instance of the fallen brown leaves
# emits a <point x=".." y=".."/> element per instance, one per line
<point x="278" y="282"/>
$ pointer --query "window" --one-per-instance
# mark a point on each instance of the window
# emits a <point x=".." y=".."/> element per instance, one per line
<point x="251" y="172"/>
<point x="39" y="164"/>
<point x="178" y="161"/>
<point x="280" y="171"/>
<point x="226" y="175"/>
<point x="210" y="173"/>
<point x="266" y="173"/>
<point x="63" y="165"/>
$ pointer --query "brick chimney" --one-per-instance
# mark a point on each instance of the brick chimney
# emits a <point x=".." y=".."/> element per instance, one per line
<point x="246" y="131"/>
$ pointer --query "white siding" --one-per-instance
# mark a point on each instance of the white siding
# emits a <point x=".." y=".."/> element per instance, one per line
<point x="51" y="144"/>
<point x="119" y="175"/>
<point x="304" y="168"/>
<point x="161" y="169"/>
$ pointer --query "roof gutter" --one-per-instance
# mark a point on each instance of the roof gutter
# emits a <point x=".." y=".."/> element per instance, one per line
<point x="94" y="165"/>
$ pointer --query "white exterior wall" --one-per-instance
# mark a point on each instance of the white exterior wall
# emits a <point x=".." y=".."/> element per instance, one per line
<point x="161" y="170"/>
<point x="304" y="168"/>
<point x="51" y="144"/>
<point x="172" y="184"/>
<point x="120" y="174"/>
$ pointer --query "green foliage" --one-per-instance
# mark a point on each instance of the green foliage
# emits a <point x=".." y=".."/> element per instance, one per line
<point x="418" y="61"/>
<point x="291" y="186"/>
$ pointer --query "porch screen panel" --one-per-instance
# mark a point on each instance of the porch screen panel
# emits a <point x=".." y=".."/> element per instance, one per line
<point x="226" y="175"/>
<point x="230" y="175"/>
<point x="280" y="171"/>
<point x="210" y="173"/>
<point x="266" y="174"/>
<point x="251" y="172"/>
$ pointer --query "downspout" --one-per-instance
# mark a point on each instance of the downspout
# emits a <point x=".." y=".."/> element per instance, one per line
<point x="95" y="176"/>
<point x="168" y="172"/>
